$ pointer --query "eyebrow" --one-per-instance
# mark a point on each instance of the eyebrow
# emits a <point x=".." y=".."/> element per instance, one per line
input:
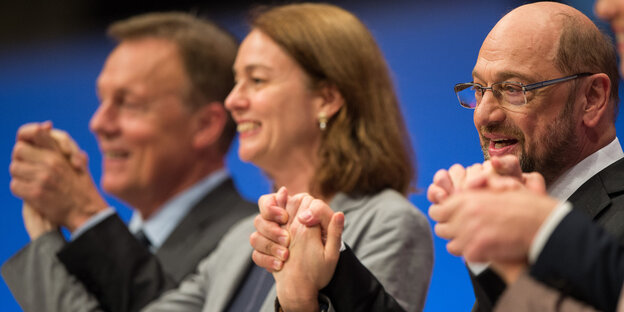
<point x="251" y="67"/>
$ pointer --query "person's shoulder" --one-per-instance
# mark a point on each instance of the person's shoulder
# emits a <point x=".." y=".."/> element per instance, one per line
<point x="240" y="230"/>
<point x="391" y="201"/>
<point x="389" y="204"/>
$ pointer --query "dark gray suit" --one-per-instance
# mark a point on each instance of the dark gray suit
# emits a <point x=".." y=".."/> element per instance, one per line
<point x="105" y="250"/>
<point x="580" y="261"/>
<point x="601" y="198"/>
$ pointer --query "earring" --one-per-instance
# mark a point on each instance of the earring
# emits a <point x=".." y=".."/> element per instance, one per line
<point x="322" y="118"/>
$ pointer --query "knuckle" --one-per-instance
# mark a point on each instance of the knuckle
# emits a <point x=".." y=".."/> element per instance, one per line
<point x="268" y="247"/>
<point x="257" y="221"/>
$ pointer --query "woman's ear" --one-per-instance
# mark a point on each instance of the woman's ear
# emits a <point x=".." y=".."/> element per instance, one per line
<point x="332" y="101"/>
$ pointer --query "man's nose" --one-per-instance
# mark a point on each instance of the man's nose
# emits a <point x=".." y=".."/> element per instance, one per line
<point x="488" y="111"/>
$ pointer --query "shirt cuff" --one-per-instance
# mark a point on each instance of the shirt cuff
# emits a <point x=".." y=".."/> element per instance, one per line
<point x="547" y="228"/>
<point x="93" y="221"/>
<point x="477" y="267"/>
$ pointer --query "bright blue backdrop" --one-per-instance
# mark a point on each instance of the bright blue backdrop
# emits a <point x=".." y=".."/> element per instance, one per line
<point x="429" y="45"/>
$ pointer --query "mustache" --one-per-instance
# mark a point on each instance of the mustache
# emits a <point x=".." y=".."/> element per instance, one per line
<point x="506" y="130"/>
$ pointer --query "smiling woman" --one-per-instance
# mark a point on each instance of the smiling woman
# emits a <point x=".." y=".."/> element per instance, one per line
<point x="316" y="110"/>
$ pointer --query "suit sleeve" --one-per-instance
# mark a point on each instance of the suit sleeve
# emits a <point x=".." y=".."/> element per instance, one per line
<point x="582" y="260"/>
<point x="120" y="272"/>
<point x="358" y="289"/>
<point x="487" y="287"/>
<point x="39" y="282"/>
<point x="392" y="241"/>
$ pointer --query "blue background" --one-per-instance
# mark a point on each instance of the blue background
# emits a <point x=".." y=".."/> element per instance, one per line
<point x="429" y="45"/>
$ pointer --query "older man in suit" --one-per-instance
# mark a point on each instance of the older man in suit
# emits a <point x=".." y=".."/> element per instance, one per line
<point x="163" y="131"/>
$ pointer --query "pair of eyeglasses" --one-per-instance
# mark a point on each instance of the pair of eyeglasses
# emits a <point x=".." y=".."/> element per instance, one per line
<point x="510" y="92"/>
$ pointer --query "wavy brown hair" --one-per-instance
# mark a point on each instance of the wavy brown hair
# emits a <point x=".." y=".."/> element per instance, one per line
<point x="365" y="147"/>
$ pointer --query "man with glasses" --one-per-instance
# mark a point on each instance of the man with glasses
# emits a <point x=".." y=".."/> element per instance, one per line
<point x="544" y="92"/>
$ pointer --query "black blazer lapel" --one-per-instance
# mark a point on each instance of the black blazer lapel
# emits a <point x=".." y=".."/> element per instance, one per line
<point x="602" y="198"/>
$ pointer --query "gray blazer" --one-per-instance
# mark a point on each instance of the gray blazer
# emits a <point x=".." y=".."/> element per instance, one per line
<point x="39" y="282"/>
<point x="387" y="233"/>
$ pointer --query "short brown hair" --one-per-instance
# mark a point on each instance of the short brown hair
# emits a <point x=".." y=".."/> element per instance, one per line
<point x="207" y="52"/>
<point x="365" y="147"/>
<point x="584" y="48"/>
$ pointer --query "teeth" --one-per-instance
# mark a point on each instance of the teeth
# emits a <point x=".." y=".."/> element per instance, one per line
<point x="498" y="143"/>
<point x="246" y="126"/>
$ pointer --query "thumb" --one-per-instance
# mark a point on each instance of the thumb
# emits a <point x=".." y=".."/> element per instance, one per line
<point x="334" y="237"/>
<point x="70" y="149"/>
<point x="507" y="165"/>
<point x="535" y="182"/>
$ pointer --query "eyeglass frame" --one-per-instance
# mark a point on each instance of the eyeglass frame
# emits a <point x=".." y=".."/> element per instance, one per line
<point x="525" y="88"/>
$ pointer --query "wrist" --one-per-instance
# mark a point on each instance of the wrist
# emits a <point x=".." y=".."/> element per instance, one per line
<point x="299" y="300"/>
<point x="79" y="217"/>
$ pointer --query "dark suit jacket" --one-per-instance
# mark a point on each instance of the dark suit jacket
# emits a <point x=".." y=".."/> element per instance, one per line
<point x="601" y="198"/>
<point x="354" y="288"/>
<point x="104" y="251"/>
<point x="579" y="260"/>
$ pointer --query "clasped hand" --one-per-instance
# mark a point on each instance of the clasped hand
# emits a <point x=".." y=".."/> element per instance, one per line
<point x="298" y="239"/>
<point x="49" y="173"/>
<point x="489" y="212"/>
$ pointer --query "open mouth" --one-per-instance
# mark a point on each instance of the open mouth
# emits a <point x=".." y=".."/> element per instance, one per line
<point x="502" y="143"/>
<point x="247" y="126"/>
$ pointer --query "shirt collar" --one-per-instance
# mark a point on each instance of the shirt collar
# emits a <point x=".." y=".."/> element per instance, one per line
<point x="160" y="225"/>
<point x="574" y="177"/>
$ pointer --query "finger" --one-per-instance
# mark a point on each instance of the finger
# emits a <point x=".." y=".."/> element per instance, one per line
<point x="269" y="209"/>
<point x="534" y="182"/>
<point x="42" y="138"/>
<point x="507" y="165"/>
<point x="281" y="197"/>
<point x="272" y="231"/>
<point x="293" y="204"/>
<point x="334" y="237"/>
<point x="267" y="247"/>
<point x="266" y="262"/>
<point x="27" y="132"/>
<point x="25" y="151"/>
<point x="457" y="173"/>
<point x="436" y="194"/>
<point x="476" y="178"/>
<point x="79" y="161"/>
<point x="487" y="166"/>
<point x="454" y="248"/>
<point x="444" y="230"/>
<point x="317" y="212"/>
<point x="442" y="212"/>
<point x="504" y="183"/>
<point x="23" y="171"/>
<point x="70" y="149"/>
<point x="442" y="179"/>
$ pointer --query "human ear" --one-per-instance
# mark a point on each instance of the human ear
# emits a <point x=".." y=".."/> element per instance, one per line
<point x="332" y="100"/>
<point x="209" y="122"/>
<point x="596" y="93"/>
